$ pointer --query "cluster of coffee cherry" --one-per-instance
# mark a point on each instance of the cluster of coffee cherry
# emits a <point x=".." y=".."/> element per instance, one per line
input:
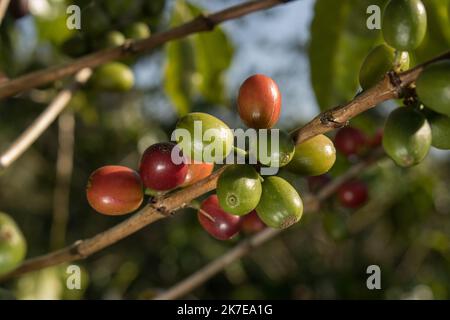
<point x="410" y="131"/>
<point x="244" y="200"/>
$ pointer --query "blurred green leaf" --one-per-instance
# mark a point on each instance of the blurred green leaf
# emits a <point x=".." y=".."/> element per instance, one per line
<point x="196" y="65"/>
<point x="340" y="41"/>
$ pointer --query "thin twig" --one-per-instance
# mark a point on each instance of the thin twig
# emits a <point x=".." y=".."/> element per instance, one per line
<point x="3" y="7"/>
<point x="64" y="168"/>
<point x="199" y="24"/>
<point x="45" y="119"/>
<point x="248" y="245"/>
<point x="165" y="206"/>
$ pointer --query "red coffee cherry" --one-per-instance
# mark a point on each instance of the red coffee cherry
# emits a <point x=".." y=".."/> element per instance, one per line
<point x="158" y="171"/>
<point x="377" y="138"/>
<point x="353" y="194"/>
<point x="350" y="141"/>
<point x="197" y="172"/>
<point x="251" y="223"/>
<point x="114" y="190"/>
<point x="259" y="102"/>
<point x="215" y="221"/>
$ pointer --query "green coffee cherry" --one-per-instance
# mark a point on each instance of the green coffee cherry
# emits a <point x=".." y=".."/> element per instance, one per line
<point x="280" y="205"/>
<point x="407" y="136"/>
<point x="378" y="62"/>
<point x="404" y="24"/>
<point x="433" y="87"/>
<point x="313" y="157"/>
<point x="137" y="31"/>
<point x="113" y="39"/>
<point x="12" y="244"/>
<point x="113" y="76"/>
<point x="203" y="137"/>
<point x="261" y="149"/>
<point x="440" y="130"/>
<point x="239" y="189"/>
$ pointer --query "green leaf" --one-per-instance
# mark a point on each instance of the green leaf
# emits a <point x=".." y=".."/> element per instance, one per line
<point x="340" y="41"/>
<point x="195" y="66"/>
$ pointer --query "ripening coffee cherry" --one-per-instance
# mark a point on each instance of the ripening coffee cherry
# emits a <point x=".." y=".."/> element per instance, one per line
<point x="440" y="130"/>
<point x="13" y="246"/>
<point x="163" y="167"/>
<point x="377" y="139"/>
<point x="404" y="24"/>
<point x="407" y="136"/>
<point x="203" y="137"/>
<point x="433" y="87"/>
<point x="251" y="223"/>
<point x="313" y="157"/>
<point x="259" y="102"/>
<point x="239" y="189"/>
<point x="279" y="156"/>
<point x="137" y="31"/>
<point x="218" y="223"/>
<point x="353" y="194"/>
<point x="114" y="190"/>
<point x="350" y="141"/>
<point x="197" y="172"/>
<point x="19" y="8"/>
<point x="113" y="76"/>
<point x="378" y="62"/>
<point x="280" y="205"/>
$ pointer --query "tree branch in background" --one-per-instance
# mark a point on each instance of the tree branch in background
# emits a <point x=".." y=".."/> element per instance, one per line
<point x="64" y="168"/>
<point x="390" y="87"/>
<point x="199" y="24"/>
<point x="248" y="245"/>
<point x="45" y="119"/>
<point x="3" y="7"/>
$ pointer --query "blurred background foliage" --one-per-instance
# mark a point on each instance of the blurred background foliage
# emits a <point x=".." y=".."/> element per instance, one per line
<point x="313" y="49"/>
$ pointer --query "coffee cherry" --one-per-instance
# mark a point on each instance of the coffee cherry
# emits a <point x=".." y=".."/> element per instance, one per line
<point x="378" y="62"/>
<point x="353" y="194"/>
<point x="197" y="172"/>
<point x="259" y="102"/>
<point x="114" y="190"/>
<point x="407" y="136"/>
<point x="159" y="170"/>
<point x="239" y="189"/>
<point x="19" y="8"/>
<point x="13" y="246"/>
<point x="113" y="76"/>
<point x="215" y="221"/>
<point x="280" y="205"/>
<point x="137" y="31"/>
<point x="313" y="157"/>
<point x="404" y="24"/>
<point x="315" y="183"/>
<point x="251" y="223"/>
<point x="440" y="130"/>
<point x="350" y="141"/>
<point x="261" y="148"/>
<point x="433" y="87"/>
<point x="210" y="142"/>
<point x="113" y="39"/>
